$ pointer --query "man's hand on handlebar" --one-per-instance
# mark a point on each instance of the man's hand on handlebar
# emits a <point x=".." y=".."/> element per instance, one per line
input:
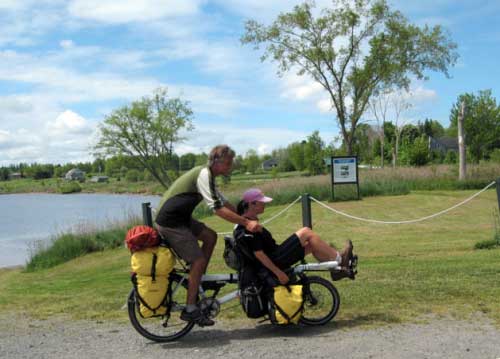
<point x="253" y="226"/>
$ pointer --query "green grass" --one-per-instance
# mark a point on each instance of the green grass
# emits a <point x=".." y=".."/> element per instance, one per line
<point x="69" y="246"/>
<point x="289" y="185"/>
<point x="405" y="271"/>
<point x="57" y="185"/>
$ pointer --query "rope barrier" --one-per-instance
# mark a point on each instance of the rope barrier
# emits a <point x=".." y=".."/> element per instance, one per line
<point x="270" y="219"/>
<point x="402" y="222"/>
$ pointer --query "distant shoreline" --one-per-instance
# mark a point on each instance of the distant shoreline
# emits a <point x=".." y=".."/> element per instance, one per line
<point x="12" y="267"/>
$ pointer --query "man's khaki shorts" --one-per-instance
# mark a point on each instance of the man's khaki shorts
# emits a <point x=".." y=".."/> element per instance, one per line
<point x="184" y="240"/>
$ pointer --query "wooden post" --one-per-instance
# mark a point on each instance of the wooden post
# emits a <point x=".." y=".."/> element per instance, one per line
<point x="306" y="211"/>
<point x="461" y="142"/>
<point x="147" y="217"/>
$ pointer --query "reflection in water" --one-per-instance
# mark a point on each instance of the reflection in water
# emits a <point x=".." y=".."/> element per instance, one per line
<point x="26" y="219"/>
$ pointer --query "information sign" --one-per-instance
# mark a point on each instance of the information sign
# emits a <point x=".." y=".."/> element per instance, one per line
<point x="344" y="171"/>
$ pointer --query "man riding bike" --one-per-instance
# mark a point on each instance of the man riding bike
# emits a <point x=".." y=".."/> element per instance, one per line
<point x="175" y="222"/>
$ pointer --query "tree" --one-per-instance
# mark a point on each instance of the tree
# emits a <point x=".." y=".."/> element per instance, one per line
<point x="419" y="152"/>
<point x="296" y="155"/>
<point x="364" y="142"/>
<point x="147" y="131"/>
<point x="313" y="154"/>
<point x="481" y="123"/>
<point x="400" y="105"/>
<point x="283" y="158"/>
<point x="379" y="105"/>
<point x="98" y="165"/>
<point x="201" y="159"/>
<point x="4" y="174"/>
<point x="432" y="128"/>
<point x="329" y="48"/>
<point x="188" y="161"/>
<point x="251" y="161"/>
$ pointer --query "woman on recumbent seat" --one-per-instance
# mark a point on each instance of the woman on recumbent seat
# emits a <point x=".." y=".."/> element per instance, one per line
<point x="276" y="257"/>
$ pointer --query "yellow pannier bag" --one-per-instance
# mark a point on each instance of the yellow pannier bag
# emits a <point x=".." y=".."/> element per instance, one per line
<point x="151" y="268"/>
<point x="153" y="295"/>
<point x="142" y="261"/>
<point x="288" y="303"/>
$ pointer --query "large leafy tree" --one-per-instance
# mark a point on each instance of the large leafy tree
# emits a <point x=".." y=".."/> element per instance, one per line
<point x="354" y="50"/>
<point x="147" y="131"/>
<point x="481" y="123"/>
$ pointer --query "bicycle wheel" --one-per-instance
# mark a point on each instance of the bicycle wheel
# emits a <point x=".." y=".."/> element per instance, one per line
<point x="321" y="302"/>
<point x="162" y="328"/>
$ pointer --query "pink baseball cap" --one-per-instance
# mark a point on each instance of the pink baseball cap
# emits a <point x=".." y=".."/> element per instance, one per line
<point x="255" y="195"/>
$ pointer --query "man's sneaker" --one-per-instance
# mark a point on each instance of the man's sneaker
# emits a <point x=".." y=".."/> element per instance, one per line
<point x="196" y="316"/>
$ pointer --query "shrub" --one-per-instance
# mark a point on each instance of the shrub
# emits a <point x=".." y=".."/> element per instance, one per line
<point x="69" y="246"/>
<point x="450" y="158"/>
<point x="419" y="152"/>
<point x="133" y="175"/>
<point x="69" y="187"/>
<point x="148" y="176"/>
<point x="495" y="155"/>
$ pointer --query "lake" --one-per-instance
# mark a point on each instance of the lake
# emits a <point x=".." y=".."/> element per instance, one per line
<point x="27" y="219"/>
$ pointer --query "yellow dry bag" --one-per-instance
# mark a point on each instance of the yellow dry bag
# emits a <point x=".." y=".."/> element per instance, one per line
<point x="288" y="303"/>
<point x="150" y="270"/>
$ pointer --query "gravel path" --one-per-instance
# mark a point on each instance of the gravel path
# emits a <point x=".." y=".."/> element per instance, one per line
<point x="443" y="338"/>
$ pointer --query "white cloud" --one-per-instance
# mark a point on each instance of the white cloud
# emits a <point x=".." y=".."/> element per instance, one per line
<point x="420" y="94"/>
<point x="264" y="148"/>
<point x="265" y="10"/>
<point x="324" y="105"/>
<point x="122" y="11"/>
<point x="16" y="104"/>
<point x="66" y="86"/>
<point x="261" y="139"/>
<point x="300" y="87"/>
<point x="68" y="123"/>
<point x="67" y="44"/>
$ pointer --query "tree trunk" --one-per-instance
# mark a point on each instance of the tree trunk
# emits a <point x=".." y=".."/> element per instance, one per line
<point x="461" y="142"/>
<point x="349" y="140"/>
<point x="396" y="150"/>
<point x="382" y="146"/>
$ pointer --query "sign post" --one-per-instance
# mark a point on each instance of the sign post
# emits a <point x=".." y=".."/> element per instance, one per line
<point x="344" y="171"/>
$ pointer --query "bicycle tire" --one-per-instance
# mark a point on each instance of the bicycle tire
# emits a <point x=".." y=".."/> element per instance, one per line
<point x="321" y="302"/>
<point x="162" y="329"/>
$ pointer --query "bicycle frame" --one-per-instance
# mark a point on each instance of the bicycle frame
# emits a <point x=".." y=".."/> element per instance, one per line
<point x="220" y="280"/>
<point x="321" y="297"/>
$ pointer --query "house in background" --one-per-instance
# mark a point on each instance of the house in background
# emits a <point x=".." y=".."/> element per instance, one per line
<point x="269" y="164"/>
<point x="443" y="144"/>
<point x="15" y="175"/>
<point x="75" y="174"/>
<point x="99" y="179"/>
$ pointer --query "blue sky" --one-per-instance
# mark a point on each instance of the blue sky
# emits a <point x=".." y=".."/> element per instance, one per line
<point x="65" y="65"/>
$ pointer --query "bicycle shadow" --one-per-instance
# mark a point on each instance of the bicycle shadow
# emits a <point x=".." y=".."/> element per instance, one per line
<point x="212" y="337"/>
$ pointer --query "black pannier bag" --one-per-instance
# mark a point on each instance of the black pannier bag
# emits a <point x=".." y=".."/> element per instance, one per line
<point x="253" y="295"/>
<point x="231" y="254"/>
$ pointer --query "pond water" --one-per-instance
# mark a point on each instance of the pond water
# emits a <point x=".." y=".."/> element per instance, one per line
<point x="27" y="219"/>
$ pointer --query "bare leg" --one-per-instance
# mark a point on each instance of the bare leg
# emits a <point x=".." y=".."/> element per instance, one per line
<point x="313" y="244"/>
<point x="208" y="237"/>
<point x="195" y="272"/>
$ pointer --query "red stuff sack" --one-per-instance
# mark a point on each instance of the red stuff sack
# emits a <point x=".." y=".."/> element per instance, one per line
<point x="140" y="237"/>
